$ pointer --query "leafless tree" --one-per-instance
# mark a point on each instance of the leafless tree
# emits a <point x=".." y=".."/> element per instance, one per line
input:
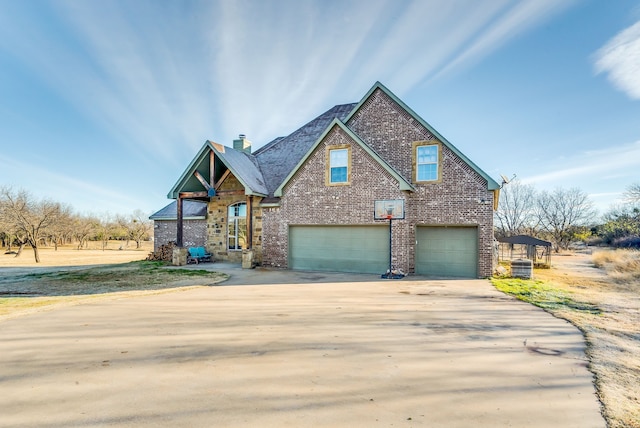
<point x="561" y="211"/>
<point x="83" y="229"/>
<point x="29" y="218"/>
<point x="104" y="229"/>
<point x="632" y="194"/>
<point x="62" y="227"/>
<point x="139" y="227"/>
<point x="516" y="209"/>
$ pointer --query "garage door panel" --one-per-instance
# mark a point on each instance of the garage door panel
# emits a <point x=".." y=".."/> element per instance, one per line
<point x="447" y="251"/>
<point x="339" y="248"/>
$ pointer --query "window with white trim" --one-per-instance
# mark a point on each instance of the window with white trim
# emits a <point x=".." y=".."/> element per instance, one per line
<point x="237" y="226"/>
<point x="338" y="166"/>
<point x="427" y="163"/>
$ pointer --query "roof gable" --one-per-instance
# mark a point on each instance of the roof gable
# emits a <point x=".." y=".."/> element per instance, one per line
<point x="491" y="183"/>
<point x="403" y="183"/>
<point x="242" y="165"/>
<point x="278" y="158"/>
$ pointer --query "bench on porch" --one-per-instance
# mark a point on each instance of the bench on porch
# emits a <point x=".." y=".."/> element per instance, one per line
<point x="197" y="255"/>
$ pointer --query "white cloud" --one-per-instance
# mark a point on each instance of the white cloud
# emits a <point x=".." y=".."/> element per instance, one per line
<point x="624" y="159"/>
<point x="516" y="20"/>
<point x="81" y="194"/>
<point x="160" y="78"/>
<point x="620" y="60"/>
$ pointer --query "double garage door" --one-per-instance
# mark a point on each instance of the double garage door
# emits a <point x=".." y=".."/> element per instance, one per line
<point x="440" y="251"/>
<point x="363" y="249"/>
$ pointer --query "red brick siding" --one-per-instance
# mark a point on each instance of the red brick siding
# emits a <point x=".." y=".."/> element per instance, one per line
<point x="194" y="232"/>
<point x="390" y="131"/>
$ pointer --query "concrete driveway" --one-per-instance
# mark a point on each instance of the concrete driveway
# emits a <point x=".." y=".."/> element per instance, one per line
<point x="273" y="348"/>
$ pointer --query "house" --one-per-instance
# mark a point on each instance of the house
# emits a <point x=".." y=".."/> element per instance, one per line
<point x="306" y="201"/>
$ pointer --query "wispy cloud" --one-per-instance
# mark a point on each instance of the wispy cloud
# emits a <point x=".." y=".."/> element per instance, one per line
<point x="45" y="183"/>
<point x="620" y="60"/>
<point x="516" y="20"/>
<point x="160" y="78"/>
<point x="275" y="67"/>
<point x="624" y="159"/>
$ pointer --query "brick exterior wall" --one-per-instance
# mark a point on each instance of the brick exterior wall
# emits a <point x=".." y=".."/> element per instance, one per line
<point x="194" y="232"/>
<point x="459" y="198"/>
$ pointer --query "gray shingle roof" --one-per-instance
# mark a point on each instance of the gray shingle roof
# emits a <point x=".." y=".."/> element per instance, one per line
<point x="244" y="167"/>
<point x="190" y="210"/>
<point x="278" y="158"/>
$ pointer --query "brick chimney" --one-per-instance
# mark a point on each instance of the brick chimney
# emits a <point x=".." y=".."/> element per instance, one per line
<point x="242" y="144"/>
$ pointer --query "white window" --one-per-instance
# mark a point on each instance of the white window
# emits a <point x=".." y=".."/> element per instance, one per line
<point x="339" y="166"/>
<point x="427" y="163"/>
<point x="237" y="225"/>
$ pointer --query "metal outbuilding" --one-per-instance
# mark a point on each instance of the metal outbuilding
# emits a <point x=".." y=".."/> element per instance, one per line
<point x="524" y="246"/>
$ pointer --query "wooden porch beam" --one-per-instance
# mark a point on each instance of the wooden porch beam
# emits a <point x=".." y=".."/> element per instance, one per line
<point x="179" y="222"/>
<point x="202" y="180"/>
<point x="224" y="176"/>
<point x="193" y="195"/>
<point x="249" y="222"/>
<point x="212" y="169"/>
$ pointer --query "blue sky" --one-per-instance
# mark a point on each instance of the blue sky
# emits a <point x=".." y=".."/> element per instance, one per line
<point x="104" y="104"/>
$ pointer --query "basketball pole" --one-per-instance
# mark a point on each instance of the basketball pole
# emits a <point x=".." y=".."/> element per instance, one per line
<point x="390" y="275"/>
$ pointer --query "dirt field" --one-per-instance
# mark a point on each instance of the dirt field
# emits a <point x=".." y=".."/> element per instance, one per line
<point x="613" y="337"/>
<point x="68" y="276"/>
<point x="70" y="256"/>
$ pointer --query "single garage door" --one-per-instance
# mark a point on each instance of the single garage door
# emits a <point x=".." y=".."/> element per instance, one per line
<point x="447" y="251"/>
<point x="362" y="249"/>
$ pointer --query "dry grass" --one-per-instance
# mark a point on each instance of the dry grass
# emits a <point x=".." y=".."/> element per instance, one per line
<point x="623" y="266"/>
<point x="70" y="276"/>
<point x="612" y="331"/>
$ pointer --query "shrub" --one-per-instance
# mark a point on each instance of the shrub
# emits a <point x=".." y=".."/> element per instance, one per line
<point x="627" y="242"/>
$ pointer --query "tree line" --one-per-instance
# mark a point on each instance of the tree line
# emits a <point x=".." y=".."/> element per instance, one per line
<point x="26" y="220"/>
<point x="563" y="216"/>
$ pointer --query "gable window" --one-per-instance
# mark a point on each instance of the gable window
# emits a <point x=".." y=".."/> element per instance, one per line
<point x="427" y="162"/>
<point x="338" y="169"/>
<point x="237" y="226"/>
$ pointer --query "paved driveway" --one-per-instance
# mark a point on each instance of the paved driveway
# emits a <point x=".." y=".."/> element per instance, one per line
<point x="298" y="349"/>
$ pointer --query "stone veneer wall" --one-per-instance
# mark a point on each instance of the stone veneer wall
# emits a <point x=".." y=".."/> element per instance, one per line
<point x="194" y="232"/>
<point x="460" y="198"/>
<point x="217" y="228"/>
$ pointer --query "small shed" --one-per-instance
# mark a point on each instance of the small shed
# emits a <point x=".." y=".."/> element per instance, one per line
<point x="525" y="247"/>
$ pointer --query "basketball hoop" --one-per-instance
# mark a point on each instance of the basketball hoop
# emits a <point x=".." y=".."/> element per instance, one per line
<point x="392" y="209"/>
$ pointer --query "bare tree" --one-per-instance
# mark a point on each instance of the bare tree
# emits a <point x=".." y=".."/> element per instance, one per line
<point x="561" y="211"/>
<point x="28" y="217"/>
<point x="516" y="209"/>
<point x="61" y="228"/>
<point x="104" y="230"/>
<point x="138" y="227"/>
<point x="632" y="194"/>
<point x="83" y="229"/>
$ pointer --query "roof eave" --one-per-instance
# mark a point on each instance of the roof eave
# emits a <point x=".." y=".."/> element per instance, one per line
<point x="403" y="184"/>
<point x="175" y="190"/>
<point x="491" y="183"/>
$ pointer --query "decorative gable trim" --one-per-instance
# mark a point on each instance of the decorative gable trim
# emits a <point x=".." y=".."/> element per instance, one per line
<point x="491" y="183"/>
<point x="201" y="167"/>
<point x="403" y="183"/>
